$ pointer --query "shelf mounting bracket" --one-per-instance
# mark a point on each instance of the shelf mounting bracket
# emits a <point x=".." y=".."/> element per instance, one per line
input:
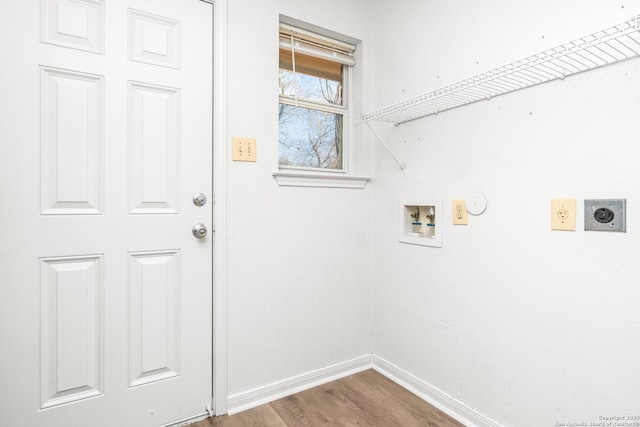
<point x="384" y="144"/>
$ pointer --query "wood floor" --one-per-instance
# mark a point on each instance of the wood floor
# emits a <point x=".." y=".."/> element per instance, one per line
<point x="363" y="399"/>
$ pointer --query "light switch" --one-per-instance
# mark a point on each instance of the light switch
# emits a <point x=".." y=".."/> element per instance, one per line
<point x="460" y="216"/>
<point x="563" y="214"/>
<point x="244" y="149"/>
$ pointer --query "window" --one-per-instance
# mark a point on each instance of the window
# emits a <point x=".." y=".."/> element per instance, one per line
<point x="313" y="100"/>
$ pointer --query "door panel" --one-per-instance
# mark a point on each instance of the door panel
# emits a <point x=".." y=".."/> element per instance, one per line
<point x="71" y="126"/>
<point x="72" y="334"/>
<point x="78" y="24"/>
<point x="154" y="148"/>
<point x="154" y="39"/>
<point x="105" y="294"/>
<point x="154" y="316"/>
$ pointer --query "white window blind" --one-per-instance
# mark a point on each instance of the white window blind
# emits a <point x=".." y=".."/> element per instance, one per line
<point x="307" y="43"/>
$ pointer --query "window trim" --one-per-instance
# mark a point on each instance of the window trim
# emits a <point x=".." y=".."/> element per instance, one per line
<point x="292" y="40"/>
<point x="312" y="105"/>
<point x="307" y="179"/>
<point x="299" y="176"/>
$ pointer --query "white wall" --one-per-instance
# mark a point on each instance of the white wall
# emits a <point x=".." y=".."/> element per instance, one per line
<point x="528" y="326"/>
<point x="298" y="258"/>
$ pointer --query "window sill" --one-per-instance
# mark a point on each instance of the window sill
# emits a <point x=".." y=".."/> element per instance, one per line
<point x="297" y="179"/>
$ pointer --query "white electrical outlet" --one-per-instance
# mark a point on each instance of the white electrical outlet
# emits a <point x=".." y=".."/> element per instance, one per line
<point x="459" y="210"/>
<point x="563" y="214"/>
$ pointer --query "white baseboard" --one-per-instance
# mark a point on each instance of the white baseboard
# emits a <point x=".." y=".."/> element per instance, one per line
<point x="433" y="395"/>
<point x="259" y="396"/>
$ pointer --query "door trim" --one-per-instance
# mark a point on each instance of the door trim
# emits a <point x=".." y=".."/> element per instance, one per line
<point x="219" y="369"/>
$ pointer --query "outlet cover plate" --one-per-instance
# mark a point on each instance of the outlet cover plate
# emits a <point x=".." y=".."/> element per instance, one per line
<point x="460" y="216"/>
<point x="563" y="214"/>
<point x="605" y="215"/>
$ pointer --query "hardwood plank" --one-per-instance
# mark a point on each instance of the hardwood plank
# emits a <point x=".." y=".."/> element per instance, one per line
<point x="302" y="409"/>
<point x="262" y="416"/>
<point x="404" y="405"/>
<point x="364" y="399"/>
<point x="401" y="406"/>
<point x="355" y="405"/>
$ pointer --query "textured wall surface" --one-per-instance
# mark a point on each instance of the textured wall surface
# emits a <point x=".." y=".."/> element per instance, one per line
<point x="298" y="258"/>
<point x="528" y="326"/>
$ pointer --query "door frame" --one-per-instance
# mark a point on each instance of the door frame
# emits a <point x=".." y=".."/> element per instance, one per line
<point x="219" y="302"/>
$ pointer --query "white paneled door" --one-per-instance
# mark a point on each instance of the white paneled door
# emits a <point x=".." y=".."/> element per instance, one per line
<point x="105" y="291"/>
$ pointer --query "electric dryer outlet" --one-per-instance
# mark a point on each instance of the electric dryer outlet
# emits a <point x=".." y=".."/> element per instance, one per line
<point x="605" y="215"/>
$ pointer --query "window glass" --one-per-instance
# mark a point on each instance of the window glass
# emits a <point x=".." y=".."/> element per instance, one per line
<point x="310" y="138"/>
<point x="312" y="110"/>
<point x="315" y="79"/>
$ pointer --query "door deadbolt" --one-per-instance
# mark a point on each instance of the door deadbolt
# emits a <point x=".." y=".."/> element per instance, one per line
<point x="199" y="199"/>
<point x="199" y="230"/>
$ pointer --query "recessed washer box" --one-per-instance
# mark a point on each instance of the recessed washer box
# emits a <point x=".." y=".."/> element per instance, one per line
<point x="421" y="222"/>
<point x="605" y="215"/>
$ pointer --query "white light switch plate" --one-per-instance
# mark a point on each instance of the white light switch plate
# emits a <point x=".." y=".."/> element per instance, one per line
<point x="244" y="149"/>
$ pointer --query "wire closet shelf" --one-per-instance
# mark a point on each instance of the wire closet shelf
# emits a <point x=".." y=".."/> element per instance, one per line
<point x="602" y="48"/>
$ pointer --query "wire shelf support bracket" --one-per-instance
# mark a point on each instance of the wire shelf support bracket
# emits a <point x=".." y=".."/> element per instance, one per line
<point x="384" y="144"/>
